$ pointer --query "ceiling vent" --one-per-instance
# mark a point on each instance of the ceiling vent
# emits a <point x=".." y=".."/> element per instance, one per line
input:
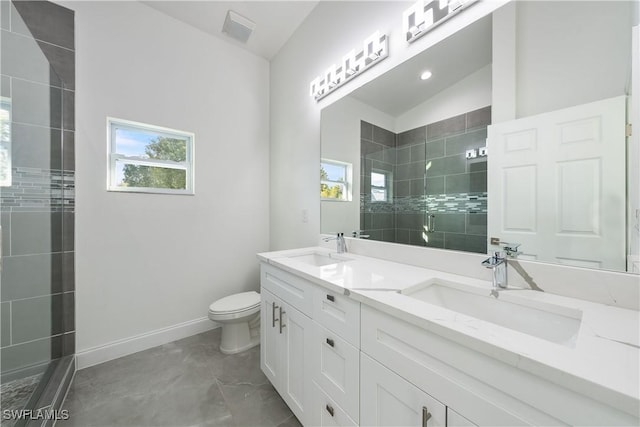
<point x="238" y="27"/>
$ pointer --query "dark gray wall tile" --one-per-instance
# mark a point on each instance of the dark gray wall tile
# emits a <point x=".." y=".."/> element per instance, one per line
<point x="44" y="21"/>
<point x="5" y="86"/>
<point x="434" y="149"/>
<point x="36" y="147"/>
<point x="403" y="155"/>
<point x="450" y="222"/>
<point x="382" y="220"/>
<point x="36" y="104"/>
<point x="381" y="166"/>
<point x="5" y="311"/>
<point x="68" y="110"/>
<point x="68" y="231"/>
<point x="434" y="240"/>
<point x="5" y="13"/>
<point x="477" y="165"/>
<point x="5" y="223"/>
<point x="479" y="118"/>
<point x="389" y="155"/>
<point x="466" y="242"/>
<point x="375" y="234"/>
<point x="413" y="136"/>
<point x="461" y="143"/>
<point x="418" y="153"/>
<point x="443" y="128"/>
<point x="416" y="170"/>
<point x="402" y="188"/>
<point x="68" y="312"/>
<point x="435" y="185"/>
<point x="384" y="137"/>
<point x="368" y="147"/>
<point x="36" y="232"/>
<point x="477" y="224"/>
<point x="31" y="276"/>
<point x="36" y="318"/>
<point x="447" y="166"/>
<point x="457" y="183"/>
<point x="62" y="63"/>
<point x="366" y="130"/>
<point x="68" y="344"/>
<point x="23" y="57"/>
<point x="478" y="182"/>
<point x="403" y="172"/>
<point x="410" y="221"/>
<point x="68" y="271"/>
<point x="389" y="235"/>
<point x="31" y="353"/>
<point x="69" y="151"/>
<point x="417" y="187"/>
<point x="403" y="236"/>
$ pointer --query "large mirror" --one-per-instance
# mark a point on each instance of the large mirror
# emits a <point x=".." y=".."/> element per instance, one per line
<point x="512" y="129"/>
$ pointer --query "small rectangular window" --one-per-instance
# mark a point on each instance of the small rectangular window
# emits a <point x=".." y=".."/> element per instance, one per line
<point x="149" y="159"/>
<point x="380" y="185"/>
<point x="335" y="180"/>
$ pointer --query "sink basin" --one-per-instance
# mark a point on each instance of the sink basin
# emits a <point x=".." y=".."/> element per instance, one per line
<point x="554" y="323"/>
<point x="319" y="259"/>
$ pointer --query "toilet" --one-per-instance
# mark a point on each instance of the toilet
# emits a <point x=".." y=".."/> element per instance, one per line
<point x="239" y="315"/>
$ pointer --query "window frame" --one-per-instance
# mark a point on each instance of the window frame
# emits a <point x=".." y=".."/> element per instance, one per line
<point x="113" y="157"/>
<point x="388" y="180"/>
<point x="347" y="183"/>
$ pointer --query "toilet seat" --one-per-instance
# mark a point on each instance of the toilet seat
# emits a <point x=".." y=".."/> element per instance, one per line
<point x="237" y="304"/>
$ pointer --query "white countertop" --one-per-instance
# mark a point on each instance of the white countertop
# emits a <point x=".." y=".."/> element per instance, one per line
<point x="603" y="363"/>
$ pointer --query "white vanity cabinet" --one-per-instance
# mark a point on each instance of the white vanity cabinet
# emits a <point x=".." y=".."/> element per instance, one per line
<point x="286" y="332"/>
<point x="390" y="400"/>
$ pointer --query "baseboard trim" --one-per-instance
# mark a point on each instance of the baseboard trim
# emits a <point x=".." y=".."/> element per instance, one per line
<point x="115" y="349"/>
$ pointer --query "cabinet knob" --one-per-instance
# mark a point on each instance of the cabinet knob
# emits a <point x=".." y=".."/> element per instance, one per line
<point x="329" y="409"/>
<point x="331" y="298"/>
<point x="426" y="415"/>
<point x="330" y="342"/>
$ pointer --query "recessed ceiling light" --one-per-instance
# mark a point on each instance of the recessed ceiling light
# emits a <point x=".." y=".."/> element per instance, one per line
<point x="425" y="75"/>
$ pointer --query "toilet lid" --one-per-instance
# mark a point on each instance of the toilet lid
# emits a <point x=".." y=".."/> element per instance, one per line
<point x="236" y="302"/>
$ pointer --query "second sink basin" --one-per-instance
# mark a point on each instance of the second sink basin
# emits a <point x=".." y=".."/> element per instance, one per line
<point x="557" y="324"/>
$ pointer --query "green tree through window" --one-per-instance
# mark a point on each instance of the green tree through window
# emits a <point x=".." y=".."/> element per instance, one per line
<point x="161" y="148"/>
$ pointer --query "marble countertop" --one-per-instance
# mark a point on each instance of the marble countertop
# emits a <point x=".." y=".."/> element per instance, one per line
<point x="603" y="362"/>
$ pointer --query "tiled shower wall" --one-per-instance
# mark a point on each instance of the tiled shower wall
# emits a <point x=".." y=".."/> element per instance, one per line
<point x="431" y="177"/>
<point x="37" y="287"/>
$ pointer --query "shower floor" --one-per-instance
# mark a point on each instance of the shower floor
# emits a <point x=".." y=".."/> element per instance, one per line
<point x="15" y="394"/>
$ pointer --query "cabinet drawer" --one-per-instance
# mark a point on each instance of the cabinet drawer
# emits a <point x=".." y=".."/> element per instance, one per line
<point x="337" y="369"/>
<point x="337" y="313"/>
<point x="326" y="412"/>
<point x="289" y="288"/>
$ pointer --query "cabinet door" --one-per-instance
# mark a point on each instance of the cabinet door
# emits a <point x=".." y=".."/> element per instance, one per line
<point x="386" y="399"/>
<point x="454" y="419"/>
<point x="296" y="361"/>
<point x="270" y="338"/>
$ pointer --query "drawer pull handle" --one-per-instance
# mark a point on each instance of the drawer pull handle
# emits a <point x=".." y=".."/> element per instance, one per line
<point x="331" y="298"/>
<point x="273" y="314"/>
<point x="281" y="325"/>
<point x="329" y="410"/>
<point x="426" y="415"/>
<point x="330" y="342"/>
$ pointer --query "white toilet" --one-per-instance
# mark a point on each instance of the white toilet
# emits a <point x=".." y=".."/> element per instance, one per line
<point x="239" y="315"/>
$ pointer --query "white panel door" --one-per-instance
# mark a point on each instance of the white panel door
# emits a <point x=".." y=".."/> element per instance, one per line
<point x="556" y="184"/>
<point x="386" y="399"/>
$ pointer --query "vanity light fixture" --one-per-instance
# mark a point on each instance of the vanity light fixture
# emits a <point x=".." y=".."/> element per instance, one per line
<point x="425" y="75"/>
<point x="426" y="14"/>
<point x="375" y="48"/>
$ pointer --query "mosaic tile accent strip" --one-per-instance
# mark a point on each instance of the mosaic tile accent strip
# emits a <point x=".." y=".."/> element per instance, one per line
<point x="450" y="203"/>
<point x="39" y="190"/>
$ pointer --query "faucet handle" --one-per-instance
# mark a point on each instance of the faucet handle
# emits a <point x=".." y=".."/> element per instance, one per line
<point x="511" y="249"/>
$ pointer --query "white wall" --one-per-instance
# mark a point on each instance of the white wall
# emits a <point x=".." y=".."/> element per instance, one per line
<point x="471" y="93"/>
<point x="146" y="262"/>
<point x="340" y="140"/>
<point x="329" y="32"/>
<point x="559" y="65"/>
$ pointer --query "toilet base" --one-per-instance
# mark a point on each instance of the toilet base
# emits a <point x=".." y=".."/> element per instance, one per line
<point x="238" y="337"/>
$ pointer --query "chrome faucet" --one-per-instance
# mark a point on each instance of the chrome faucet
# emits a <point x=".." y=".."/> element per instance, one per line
<point x="498" y="264"/>
<point x="341" y="245"/>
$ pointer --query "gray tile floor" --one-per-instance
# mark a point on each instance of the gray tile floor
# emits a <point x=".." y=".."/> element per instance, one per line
<point x="183" y="383"/>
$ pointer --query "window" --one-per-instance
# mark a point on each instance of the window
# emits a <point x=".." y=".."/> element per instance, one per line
<point x="335" y="180"/>
<point x="380" y="186"/>
<point x="149" y="159"/>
